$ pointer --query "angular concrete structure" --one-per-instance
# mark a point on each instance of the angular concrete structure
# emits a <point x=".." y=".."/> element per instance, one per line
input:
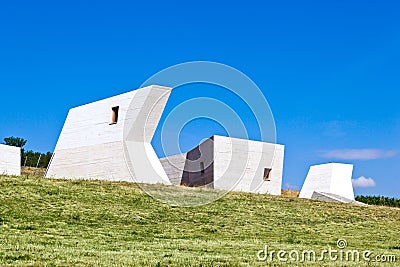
<point x="229" y="164"/>
<point x="110" y="139"/>
<point x="10" y="160"/>
<point x="330" y="182"/>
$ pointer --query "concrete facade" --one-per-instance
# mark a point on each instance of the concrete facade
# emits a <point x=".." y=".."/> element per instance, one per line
<point x="110" y="139"/>
<point x="229" y="164"/>
<point x="329" y="180"/>
<point x="10" y="160"/>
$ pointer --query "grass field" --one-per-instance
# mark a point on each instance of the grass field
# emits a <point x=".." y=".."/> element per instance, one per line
<point x="92" y="223"/>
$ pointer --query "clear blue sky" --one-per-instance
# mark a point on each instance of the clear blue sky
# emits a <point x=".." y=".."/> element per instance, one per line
<point x="329" y="69"/>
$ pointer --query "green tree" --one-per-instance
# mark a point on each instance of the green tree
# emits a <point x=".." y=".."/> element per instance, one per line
<point x="15" y="141"/>
<point x="33" y="157"/>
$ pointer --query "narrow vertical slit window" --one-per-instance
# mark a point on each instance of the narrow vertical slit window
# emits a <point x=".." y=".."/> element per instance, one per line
<point x="267" y="174"/>
<point x="114" y="115"/>
<point x="202" y="168"/>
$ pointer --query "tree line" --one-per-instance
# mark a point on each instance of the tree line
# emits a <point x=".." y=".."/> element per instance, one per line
<point x="379" y="201"/>
<point x="29" y="158"/>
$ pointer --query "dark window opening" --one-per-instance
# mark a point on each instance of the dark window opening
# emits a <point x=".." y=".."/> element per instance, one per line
<point x="114" y="115"/>
<point x="267" y="173"/>
<point x="202" y="168"/>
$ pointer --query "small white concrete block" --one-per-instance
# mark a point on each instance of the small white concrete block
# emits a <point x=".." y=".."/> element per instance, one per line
<point x="331" y="178"/>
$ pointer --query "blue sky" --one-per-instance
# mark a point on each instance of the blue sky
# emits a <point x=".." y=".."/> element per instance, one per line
<point x="329" y="69"/>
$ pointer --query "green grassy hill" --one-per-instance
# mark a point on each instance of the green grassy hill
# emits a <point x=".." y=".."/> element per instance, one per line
<point x="92" y="223"/>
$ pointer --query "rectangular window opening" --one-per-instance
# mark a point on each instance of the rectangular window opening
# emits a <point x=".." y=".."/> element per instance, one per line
<point x="267" y="174"/>
<point x="114" y="115"/>
<point x="202" y="168"/>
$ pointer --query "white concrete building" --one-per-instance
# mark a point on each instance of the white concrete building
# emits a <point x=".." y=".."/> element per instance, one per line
<point x="110" y="139"/>
<point x="330" y="182"/>
<point x="10" y="160"/>
<point x="229" y="164"/>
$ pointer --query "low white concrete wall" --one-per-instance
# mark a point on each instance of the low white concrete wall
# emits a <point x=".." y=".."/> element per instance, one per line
<point x="10" y="160"/>
<point x="174" y="166"/>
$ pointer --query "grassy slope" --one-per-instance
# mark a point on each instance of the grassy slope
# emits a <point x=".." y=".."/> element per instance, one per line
<point x="58" y="222"/>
